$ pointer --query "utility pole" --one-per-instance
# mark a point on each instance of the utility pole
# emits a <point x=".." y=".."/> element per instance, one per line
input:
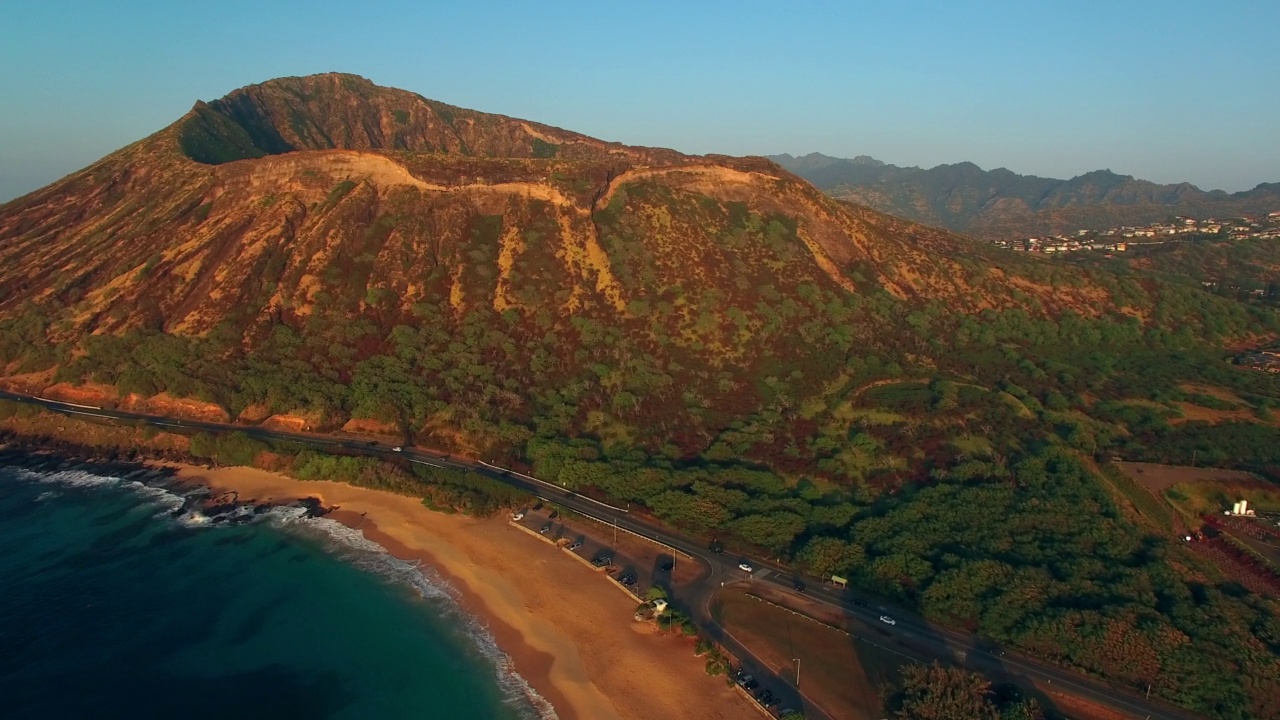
<point x="797" y="662"/>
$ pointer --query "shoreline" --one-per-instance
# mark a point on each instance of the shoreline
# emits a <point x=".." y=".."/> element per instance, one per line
<point x="567" y="634"/>
<point x="532" y="665"/>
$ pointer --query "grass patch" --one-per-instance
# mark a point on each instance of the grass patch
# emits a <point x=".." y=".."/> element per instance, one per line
<point x="544" y="149"/>
<point x="873" y="416"/>
<point x="1198" y="498"/>
<point x="1150" y="507"/>
<point x="340" y="191"/>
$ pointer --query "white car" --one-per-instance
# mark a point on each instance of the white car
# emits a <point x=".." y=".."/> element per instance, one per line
<point x="745" y="566"/>
<point x="888" y="620"/>
<point x="517" y="516"/>
<point x="397" y="448"/>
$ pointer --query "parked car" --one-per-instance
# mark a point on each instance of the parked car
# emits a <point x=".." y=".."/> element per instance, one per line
<point x="575" y="544"/>
<point x="752" y="685"/>
<point x="517" y="516"/>
<point x="888" y="620"/>
<point x="745" y="566"/>
<point x="744" y="678"/>
<point x="545" y="528"/>
<point x="627" y="579"/>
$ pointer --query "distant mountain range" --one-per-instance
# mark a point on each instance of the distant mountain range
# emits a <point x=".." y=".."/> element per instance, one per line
<point x="1002" y="204"/>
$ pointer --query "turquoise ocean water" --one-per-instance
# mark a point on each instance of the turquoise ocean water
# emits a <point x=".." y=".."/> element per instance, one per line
<point x="116" y="602"/>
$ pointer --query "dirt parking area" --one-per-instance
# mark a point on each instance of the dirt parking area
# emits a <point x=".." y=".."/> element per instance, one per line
<point x="835" y="670"/>
<point x="1158" y="478"/>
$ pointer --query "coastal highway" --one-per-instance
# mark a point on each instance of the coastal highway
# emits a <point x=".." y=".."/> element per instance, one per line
<point x="912" y="636"/>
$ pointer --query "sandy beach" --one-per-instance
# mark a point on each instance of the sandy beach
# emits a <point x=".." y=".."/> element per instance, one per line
<point x="568" y="632"/>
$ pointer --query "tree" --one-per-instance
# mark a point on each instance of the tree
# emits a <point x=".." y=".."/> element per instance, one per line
<point x="826" y="556"/>
<point x="934" y="692"/>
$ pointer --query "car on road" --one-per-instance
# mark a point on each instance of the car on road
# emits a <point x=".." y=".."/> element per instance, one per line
<point x="859" y="603"/>
<point x="575" y="545"/>
<point x="888" y="620"/>
<point x="545" y="528"/>
<point x="398" y="448"/>
<point x="517" y="516"/>
<point x="797" y="584"/>
<point x="745" y="566"/>
<point x="372" y="443"/>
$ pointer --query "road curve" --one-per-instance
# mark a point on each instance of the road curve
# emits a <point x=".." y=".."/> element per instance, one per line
<point x="925" y="640"/>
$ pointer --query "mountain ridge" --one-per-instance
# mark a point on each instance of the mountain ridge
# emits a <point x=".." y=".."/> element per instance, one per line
<point x="999" y="203"/>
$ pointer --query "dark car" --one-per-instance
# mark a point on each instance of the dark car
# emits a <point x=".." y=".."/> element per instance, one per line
<point x="797" y="584"/>
<point x="666" y="566"/>
<point x="859" y="603"/>
<point x="627" y="579"/>
<point x="751" y="684"/>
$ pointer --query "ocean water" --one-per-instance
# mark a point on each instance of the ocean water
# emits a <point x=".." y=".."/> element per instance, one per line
<point x="117" y="602"/>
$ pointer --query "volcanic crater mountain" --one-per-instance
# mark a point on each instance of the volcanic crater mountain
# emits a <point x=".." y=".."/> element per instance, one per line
<point x="336" y="249"/>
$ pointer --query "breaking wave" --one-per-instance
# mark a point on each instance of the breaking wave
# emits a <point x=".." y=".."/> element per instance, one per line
<point x="351" y="546"/>
<point x="194" y="508"/>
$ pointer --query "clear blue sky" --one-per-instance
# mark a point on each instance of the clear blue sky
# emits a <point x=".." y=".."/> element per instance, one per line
<point x="1168" y="91"/>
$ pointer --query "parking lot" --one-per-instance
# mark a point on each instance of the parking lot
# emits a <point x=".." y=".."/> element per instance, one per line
<point x="629" y="558"/>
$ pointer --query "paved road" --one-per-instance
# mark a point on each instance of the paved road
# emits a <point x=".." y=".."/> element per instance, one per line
<point x="915" y="637"/>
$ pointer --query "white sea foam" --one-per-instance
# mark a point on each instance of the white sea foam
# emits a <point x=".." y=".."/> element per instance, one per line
<point x="350" y="545"/>
<point x="353" y="547"/>
<point x="168" y="500"/>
